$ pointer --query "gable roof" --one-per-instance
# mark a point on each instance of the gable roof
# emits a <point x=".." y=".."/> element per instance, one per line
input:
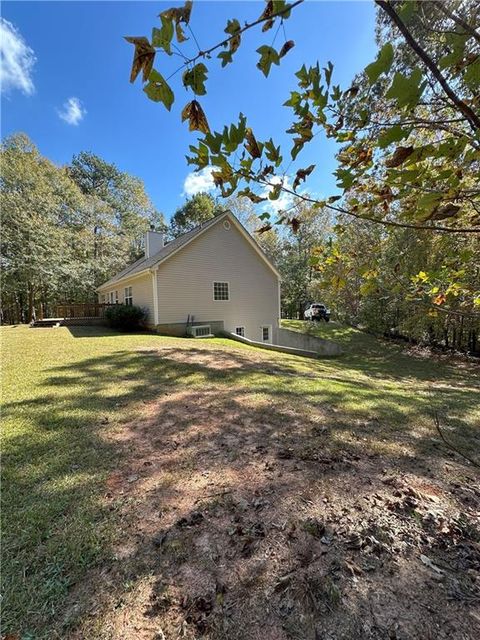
<point x="145" y="264"/>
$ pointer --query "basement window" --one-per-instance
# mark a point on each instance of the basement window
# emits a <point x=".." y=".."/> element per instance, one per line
<point x="128" y="298"/>
<point x="240" y="331"/>
<point x="220" y="291"/>
<point x="266" y="333"/>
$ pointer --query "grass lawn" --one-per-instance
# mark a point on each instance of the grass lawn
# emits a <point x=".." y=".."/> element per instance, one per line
<point x="102" y="434"/>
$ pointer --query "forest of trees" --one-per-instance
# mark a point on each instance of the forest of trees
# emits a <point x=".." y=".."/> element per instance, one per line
<point x="65" y="230"/>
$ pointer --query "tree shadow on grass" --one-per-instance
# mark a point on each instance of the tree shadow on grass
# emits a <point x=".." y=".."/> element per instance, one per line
<point x="253" y="443"/>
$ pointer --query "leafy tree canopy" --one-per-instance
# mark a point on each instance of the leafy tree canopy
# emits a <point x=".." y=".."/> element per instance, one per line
<point x="407" y="129"/>
<point x="197" y="209"/>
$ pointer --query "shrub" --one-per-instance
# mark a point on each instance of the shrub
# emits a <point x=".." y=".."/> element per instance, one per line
<point x="125" y="317"/>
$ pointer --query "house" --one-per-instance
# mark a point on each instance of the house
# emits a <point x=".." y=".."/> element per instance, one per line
<point x="214" y="276"/>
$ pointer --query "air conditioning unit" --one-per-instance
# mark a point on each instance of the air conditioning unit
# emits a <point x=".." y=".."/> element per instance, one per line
<point x="201" y="331"/>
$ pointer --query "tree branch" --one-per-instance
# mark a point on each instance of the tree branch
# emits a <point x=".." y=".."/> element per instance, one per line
<point x="246" y="27"/>
<point x="459" y="21"/>
<point x="388" y="223"/>
<point x="470" y="115"/>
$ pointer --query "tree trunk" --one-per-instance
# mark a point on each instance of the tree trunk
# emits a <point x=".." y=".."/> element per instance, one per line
<point x="30" y="303"/>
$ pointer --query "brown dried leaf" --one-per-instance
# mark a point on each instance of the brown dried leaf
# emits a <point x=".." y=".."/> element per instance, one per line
<point x="440" y="299"/>
<point x="447" y="211"/>
<point x="302" y="175"/>
<point x="143" y="57"/>
<point x="252" y="146"/>
<point x="253" y="197"/>
<point x="286" y="48"/>
<point x="267" y="25"/>
<point x="179" y="14"/>
<point x="399" y="157"/>
<point x="195" y="115"/>
<point x="264" y="229"/>
<point x="295" y="224"/>
<point x="268" y="11"/>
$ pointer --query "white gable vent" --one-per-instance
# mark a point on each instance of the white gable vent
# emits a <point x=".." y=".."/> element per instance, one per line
<point x="201" y="331"/>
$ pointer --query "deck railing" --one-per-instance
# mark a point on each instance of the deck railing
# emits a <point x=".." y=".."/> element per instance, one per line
<point x="81" y="310"/>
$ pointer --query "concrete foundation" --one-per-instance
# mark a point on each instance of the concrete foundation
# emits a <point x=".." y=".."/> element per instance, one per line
<point x="179" y="329"/>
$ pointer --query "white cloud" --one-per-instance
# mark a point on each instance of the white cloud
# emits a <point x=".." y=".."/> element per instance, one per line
<point x="72" y="111"/>
<point x="198" y="181"/>
<point x="284" y="201"/>
<point x="16" y="60"/>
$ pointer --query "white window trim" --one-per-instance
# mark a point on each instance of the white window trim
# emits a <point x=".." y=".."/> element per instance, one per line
<point x="128" y="297"/>
<point x="213" y="290"/>
<point x="269" y="327"/>
<point x="242" y="335"/>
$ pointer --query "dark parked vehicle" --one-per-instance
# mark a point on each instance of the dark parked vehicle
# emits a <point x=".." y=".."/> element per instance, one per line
<point x="317" y="312"/>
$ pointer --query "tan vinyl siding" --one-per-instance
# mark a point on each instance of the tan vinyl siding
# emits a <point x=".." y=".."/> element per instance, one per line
<point x="142" y="293"/>
<point x="185" y="283"/>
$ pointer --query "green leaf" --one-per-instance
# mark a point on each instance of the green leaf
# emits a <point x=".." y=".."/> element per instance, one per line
<point x="381" y="65"/>
<point x="268" y="56"/>
<point x="213" y="142"/>
<point x="195" y="78"/>
<point x="158" y="89"/>
<point x="233" y="28"/>
<point x="294" y="100"/>
<point x="345" y="178"/>
<point x="406" y="90"/>
<point x="392" y="134"/>
<point x="472" y="75"/>
<point x="162" y="38"/>
<point x="328" y="72"/>
<point x="226" y="57"/>
<point x="302" y="75"/>
<point x="407" y="10"/>
<point x="202" y="160"/>
<point x="273" y="153"/>
<point x="275" y="192"/>
<point x="426" y="203"/>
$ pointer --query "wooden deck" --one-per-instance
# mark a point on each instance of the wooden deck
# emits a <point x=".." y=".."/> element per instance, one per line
<point x="74" y="314"/>
<point x="81" y="310"/>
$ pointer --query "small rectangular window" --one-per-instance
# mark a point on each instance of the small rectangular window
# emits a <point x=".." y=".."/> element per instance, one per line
<point x="240" y="331"/>
<point x="266" y="334"/>
<point x="220" y="291"/>
<point x="128" y="298"/>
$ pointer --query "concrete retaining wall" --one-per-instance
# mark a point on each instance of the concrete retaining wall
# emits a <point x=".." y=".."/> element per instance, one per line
<point x="295" y="343"/>
<point x="271" y="347"/>
<point x="297" y="340"/>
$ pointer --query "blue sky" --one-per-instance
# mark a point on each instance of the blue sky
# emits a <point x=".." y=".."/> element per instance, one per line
<point x="76" y="95"/>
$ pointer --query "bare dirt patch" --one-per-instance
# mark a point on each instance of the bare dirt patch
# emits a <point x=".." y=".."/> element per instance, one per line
<point x="244" y="518"/>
